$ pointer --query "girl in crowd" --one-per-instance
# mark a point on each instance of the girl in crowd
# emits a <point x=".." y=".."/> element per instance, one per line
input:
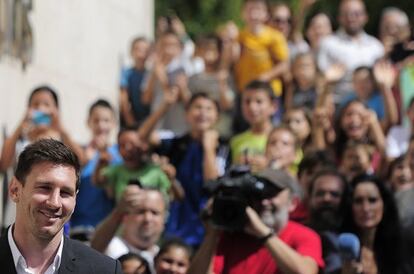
<point x="41" y="120"/>
<point x="173" y="257"/>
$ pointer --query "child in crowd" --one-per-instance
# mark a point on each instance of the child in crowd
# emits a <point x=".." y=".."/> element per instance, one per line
<point x="302" y="91"/>
<point x="357" y="123"/>
<point x="319" y="26"/>
<point x="259" y="52"/>
<point x="132" y="110"/>
<point x="174" y="257"/>
<point x="298" y="120"/>
<point x="170" y="70"/>
<point x="356" y="159"/>
<point x="133" y="263"/>
<point x="92" y="203"/>
<point x="281" y="149"/>
<point x="366" y="81"/>
<point x="258" y="108"/>
<point x="136" y="165"/>
<point x="400" y="176"/>
<point x="41" y="120"/>
<point x="198" y="156"/>
<point x="214" y="80"/>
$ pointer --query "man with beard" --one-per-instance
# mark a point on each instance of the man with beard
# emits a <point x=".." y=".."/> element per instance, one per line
<point x="327" y="199"/>
<point x="269" y="243"/>
<point x="44" y="188"/>
<point x="141" y="212"/>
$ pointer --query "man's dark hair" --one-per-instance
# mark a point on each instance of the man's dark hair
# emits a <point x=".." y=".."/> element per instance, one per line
<point x="314" y="159"/>
<point x="330" y="171"/>
<point x="262" y="86"/>
<point x="46" y="150"/>
<point x="203" y="95"/>
<point x="45" y="88"/>
<point x="100" y="103"/>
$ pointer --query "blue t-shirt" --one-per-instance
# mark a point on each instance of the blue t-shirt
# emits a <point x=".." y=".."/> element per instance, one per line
<point x="92" y="203"/>
<point x="375" y="102"/>
<point x="186" y="154"/>
<point x="131" y="80"/>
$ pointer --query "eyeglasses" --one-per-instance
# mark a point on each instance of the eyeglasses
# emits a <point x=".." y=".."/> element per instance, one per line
<point x="281" y="20"/>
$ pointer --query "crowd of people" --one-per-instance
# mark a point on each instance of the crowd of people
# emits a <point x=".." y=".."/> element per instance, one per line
<point x="320" y="117"/>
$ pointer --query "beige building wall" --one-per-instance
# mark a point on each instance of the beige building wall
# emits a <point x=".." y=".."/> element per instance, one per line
<point x="79" y="49"/>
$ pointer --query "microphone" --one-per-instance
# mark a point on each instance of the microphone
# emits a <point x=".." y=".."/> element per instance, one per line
<point x="349" y="246"/>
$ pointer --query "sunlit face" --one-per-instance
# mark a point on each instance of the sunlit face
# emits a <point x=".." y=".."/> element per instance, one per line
<point x="367" y="205"/>
<point x="304" y="69"/>
<point x="43" y="101"/>
<point x="275" y="211"/>
<point x="210" y="53"/>
<point x="355" y="160"/>
<point x="140" y="51"/>
<point x="45" y="200"/>
<point x="144" y="226"/>
<point x="352" y="121"/>
<point x="280" y="148"/>
<point x="281" y="19"/>
<point x="175" y="260"/>
<point x="202" y="115"/>
<point x="101" y="121"/>
<point x="363" y="84"/>
<point x="401" y="176"/>
<point x="170" y="46"/>
<point x="254" y="13"/>
<point x="131" y="148"/>
<point x="352" y="16"/>
<point x="319" y="27"/>
<point x="257" y="107"/>
<point x="297" y="122"/>
<point x="327" y="191"/>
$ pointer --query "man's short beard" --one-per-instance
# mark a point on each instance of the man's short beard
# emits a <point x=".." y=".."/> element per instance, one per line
<point x="276" y="219"/>
<point x="325" y="218"/>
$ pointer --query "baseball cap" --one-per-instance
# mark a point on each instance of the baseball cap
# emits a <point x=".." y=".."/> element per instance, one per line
<point x="279" y="178"/>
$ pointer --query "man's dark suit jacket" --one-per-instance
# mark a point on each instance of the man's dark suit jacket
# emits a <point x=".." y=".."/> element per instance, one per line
<point x="76" y="258"/>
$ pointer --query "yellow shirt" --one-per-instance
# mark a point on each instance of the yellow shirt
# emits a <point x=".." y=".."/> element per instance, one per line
<point x="249" y="143"/>
<point x="259" y="54"/>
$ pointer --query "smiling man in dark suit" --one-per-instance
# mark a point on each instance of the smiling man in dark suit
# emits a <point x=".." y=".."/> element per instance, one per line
<point x="44" y="189"/>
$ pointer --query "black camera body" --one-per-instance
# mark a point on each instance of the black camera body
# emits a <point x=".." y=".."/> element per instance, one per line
<point x="233" y="193"/>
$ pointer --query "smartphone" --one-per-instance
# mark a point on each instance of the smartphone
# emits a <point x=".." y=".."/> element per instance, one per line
<point x="135" y="181"/>
<point x="41" y="118"/>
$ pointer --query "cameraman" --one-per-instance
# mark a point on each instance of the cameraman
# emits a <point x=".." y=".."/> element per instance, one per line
<point x="269" y="243"/>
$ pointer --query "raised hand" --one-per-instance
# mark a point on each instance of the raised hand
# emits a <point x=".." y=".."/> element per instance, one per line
<point x="384" y="74"/>
<point x="210" y="139"/>
<point x="334" y="73"/>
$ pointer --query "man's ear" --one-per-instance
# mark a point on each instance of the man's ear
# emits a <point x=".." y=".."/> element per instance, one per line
<point x="294" y="202"/>
<point x="14" y="189"/>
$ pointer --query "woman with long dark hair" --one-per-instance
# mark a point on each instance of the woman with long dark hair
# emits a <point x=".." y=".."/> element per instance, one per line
<point x="373" y="217"/>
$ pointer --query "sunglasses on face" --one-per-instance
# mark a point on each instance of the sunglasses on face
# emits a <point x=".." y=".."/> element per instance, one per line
<point x="281" y="20"/>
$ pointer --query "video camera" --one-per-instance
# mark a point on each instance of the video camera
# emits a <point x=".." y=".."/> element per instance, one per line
<point x="233" y="193"/>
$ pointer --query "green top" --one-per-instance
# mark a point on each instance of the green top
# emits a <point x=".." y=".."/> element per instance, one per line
<point x="247" y="142"/>
<point x="149" y="175"/>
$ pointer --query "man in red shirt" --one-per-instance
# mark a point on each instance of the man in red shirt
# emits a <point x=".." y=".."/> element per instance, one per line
<point x="269" y="243"/>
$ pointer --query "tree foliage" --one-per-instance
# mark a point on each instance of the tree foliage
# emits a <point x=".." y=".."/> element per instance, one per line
<point x="203" y="16"/>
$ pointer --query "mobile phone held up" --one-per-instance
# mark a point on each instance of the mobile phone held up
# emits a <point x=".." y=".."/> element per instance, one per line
<point x="41" y="118"/>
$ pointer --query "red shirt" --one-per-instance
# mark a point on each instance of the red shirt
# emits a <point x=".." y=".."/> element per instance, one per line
<point x="239" y="253"/>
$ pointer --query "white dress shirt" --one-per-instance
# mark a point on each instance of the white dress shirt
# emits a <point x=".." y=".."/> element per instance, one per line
<point x="20" y="262"/>
<point x="352" y="52"/>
